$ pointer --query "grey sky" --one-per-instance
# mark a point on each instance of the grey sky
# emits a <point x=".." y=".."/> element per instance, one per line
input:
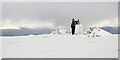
<point x="39" y="14"/>
<point x="60" y="0"/>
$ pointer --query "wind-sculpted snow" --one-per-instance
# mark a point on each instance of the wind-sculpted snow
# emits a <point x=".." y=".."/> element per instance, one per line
<point x="96" y="32"/>
<point x="61" y="46"/>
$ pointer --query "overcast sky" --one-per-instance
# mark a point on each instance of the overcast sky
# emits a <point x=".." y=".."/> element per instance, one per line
<point x="60" y="0"/>
<point x="39" y="14"/>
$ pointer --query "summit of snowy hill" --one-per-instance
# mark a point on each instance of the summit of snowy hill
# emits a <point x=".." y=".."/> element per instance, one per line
<point x="90" y="32"/>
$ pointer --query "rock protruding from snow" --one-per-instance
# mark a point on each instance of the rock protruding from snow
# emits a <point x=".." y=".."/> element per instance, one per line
<point x="60" y="30"/>
<point x="95" y="32"/>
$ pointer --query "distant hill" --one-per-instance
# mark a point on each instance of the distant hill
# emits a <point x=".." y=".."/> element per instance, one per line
<point x="112" y="30"/>
<point x="38" y="31"/>
<point x="25" y="31"/>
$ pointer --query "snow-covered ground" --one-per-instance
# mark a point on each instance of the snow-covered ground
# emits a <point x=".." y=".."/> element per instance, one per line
<point x="0" y="48"/>
<point x="61" y="46"/>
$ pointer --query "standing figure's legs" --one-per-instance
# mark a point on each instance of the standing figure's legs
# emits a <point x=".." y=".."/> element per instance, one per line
<point x="73" y="30"/>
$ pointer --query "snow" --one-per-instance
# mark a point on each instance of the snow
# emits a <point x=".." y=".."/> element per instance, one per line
<point x="61" y="46"/>
<point x="0" y="48"/>
<point x="78" y="29"/>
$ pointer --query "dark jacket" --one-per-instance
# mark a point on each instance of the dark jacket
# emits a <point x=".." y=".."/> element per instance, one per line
<point x="73" y="24"/>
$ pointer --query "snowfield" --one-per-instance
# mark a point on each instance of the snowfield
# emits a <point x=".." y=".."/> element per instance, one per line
<point x="61" y="46"/>
<point x="0" y="48"/>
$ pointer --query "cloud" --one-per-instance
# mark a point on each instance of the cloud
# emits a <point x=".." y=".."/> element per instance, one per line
<point x="55" y="14"/>
<point x="8" y="24"/>
<point x="112" y="23"/>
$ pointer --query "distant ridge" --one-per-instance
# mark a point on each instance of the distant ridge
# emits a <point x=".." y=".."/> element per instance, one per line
<point x="25" y="31"/>
<point x="112" y="30"/>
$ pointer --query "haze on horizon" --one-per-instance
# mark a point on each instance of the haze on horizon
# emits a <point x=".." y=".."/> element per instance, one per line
<point x="56" y="14"/>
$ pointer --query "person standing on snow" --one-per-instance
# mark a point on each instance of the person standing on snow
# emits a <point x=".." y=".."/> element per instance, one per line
<point x="73" y="26"/>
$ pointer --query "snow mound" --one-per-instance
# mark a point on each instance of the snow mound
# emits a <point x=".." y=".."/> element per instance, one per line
<point x="78" y="29"/>
<point x="95" y="32"/>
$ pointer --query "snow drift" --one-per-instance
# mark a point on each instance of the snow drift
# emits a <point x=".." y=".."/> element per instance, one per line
<point x="61" y="46"/>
